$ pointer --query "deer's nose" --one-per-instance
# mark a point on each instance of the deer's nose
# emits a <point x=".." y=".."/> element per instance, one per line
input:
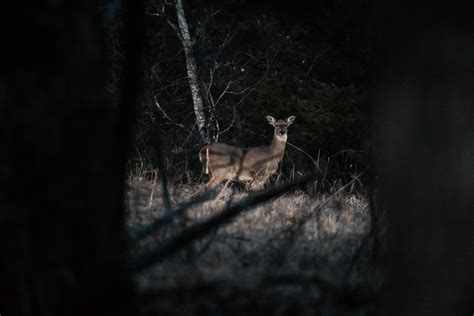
<point x="282" y="132"/>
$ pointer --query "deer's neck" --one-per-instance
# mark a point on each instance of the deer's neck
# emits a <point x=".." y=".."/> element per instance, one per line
<point x="278" y="146"/>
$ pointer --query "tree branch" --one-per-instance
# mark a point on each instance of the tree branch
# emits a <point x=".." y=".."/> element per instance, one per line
<point x="144" y="261"/>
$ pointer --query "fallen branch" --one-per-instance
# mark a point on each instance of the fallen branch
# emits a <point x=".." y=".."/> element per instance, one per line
<point x="145" y="260"/>
<point x="167" y="218"/>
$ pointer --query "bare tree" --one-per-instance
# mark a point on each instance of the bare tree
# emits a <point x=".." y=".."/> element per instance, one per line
<point x="183" y="34"/>
<point x="217" y="86"/>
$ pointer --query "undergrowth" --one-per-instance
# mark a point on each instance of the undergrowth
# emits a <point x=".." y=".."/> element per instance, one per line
<point x="300" y="239"/>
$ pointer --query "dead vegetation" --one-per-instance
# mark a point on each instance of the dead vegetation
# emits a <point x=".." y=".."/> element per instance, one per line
<point x="296" y="250"/>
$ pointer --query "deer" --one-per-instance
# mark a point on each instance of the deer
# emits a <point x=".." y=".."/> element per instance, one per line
<point x="252" y="166"/>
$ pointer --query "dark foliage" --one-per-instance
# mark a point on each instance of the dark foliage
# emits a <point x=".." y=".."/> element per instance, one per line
<point x="254" y="59"/>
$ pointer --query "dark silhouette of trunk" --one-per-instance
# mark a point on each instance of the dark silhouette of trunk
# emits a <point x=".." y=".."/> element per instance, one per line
<point x="425" y="119"/>
<point x="61" y="168"/>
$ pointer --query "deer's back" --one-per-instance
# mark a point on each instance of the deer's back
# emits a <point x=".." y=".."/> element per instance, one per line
<point x="222" y="155"/>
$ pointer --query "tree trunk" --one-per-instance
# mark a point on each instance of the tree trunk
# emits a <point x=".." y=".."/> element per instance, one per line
<point x="62" y="163"/>
<point x="184" y="36"/>
<point x="425" y="114"/>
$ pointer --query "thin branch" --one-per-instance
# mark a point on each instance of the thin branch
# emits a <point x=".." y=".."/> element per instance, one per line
<point x="228" y="127"/>
<point x="312" y="64"/>
<point x="176" y="30"/>
<point x="163" y="178"/>
<point x="166" y="116"/>
<point x="167" y="218"/>
<point x="260" y="80"/>
<point x="304" y="152"/>
<point x="355" y="178"/>
<point x="225" y="90"/>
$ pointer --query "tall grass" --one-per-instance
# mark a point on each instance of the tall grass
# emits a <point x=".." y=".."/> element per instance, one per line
<point x="297" y="236"/>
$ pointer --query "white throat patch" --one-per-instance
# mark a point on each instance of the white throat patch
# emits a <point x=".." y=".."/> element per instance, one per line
<point x="283" y="138"/>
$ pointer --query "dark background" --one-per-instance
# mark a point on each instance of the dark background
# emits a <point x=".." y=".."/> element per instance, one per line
<point x="311" y="61"/>
<point x="400" y="74"/>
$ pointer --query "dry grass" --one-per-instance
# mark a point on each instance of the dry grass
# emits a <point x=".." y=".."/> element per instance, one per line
<point x="289" y="236"/>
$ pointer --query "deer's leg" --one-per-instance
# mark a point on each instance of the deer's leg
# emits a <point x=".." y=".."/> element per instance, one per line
<point x="257" y="185"/>
<point x="216" y="179"/>
<point x="223" y="189"/>
<point x="259" y="181"/>
<point x="212" y="183"/>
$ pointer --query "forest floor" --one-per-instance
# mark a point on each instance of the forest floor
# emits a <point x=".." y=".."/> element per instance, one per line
<point x="292" y="254"/>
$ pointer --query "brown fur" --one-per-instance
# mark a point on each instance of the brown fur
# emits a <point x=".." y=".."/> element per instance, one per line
<point x="248" y="165"/>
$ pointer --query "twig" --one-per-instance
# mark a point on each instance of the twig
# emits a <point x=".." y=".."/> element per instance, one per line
<point x="208" y="243"/>
<point x="304" y="152"/>
<point x="312" y="64"/>
<point x="340" y="190"/>
<point x="168" y="217"/>
<point x="356" y="256"/>
<point x="170" y="119"/>
<point x="163" y="179"/>
<point x="176" y="30"/>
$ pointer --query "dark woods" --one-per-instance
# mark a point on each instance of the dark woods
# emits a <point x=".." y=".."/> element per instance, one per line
<point x="92" y="94"/>
<point x="254" y="59"/>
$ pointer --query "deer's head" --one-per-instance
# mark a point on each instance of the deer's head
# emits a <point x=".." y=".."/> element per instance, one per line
<point x="281" y="126"/>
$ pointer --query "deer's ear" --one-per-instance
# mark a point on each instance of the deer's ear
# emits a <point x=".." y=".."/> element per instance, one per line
<point x="271" y="120"/>
<point x="290" y="120"/>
